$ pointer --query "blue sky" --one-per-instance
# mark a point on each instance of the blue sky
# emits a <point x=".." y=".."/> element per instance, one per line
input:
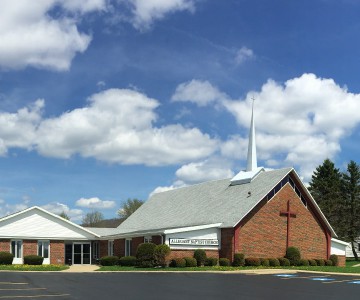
<point x="105" y="100"/>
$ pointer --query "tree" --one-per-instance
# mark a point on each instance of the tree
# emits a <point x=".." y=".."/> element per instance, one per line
<point x="129" y="207"/>
<point x="326" y="188"/>
<point x="91" y="218"/>
<point x="351" y="212"/>
<point x="64" y="216"/>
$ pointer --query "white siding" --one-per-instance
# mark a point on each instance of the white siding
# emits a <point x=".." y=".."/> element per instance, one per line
<point x="208" y="234"/>
<point x="338" y="247"/>
<point x="36" y="224"/>
<point x="349" y="252"/>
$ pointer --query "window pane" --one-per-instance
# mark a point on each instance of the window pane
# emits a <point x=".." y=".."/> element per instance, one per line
<point x="40" y="249"/>
<point x="13" y="243"/>
<point x="46" y="249"/>
<point x="18" y="252"/>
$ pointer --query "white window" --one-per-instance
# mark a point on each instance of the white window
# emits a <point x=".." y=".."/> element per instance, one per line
<point x="111" y="248"/>
<point x="43" y="248"/>
<point x="16" y="248"/>
<point x="127" y="247"/>
<point x="147" y="239"/>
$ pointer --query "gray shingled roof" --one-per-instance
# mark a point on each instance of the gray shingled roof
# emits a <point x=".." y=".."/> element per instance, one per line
<point x="205" y="203"/>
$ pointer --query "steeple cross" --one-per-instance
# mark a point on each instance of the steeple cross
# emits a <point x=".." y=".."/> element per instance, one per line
<point x="289" y="214"/>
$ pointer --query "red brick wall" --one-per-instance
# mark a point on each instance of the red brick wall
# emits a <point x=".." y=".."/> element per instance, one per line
<point x="190" y="253"/>
<point x="342" y="261"/>
<point x="5" y="245"/>
<point x="263" y="232"/>
<point x="30" y="247"/>
<point x="119" y="247"/>
<point x="227" y="243"/>
<point x="103" y="248"/>
<point x="156" y="239"/>
<point x="57" y="252"/>
<point x="135" y="242"/>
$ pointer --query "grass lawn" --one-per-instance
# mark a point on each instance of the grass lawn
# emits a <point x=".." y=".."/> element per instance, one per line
<point x="347" y="269"/>
<point x="33" y="268"/>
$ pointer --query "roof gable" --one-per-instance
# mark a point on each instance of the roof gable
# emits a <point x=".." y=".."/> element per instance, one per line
<point x="37" y="223"/>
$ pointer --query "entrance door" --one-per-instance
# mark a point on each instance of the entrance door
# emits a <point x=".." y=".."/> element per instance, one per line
<point x="81" y="253"/>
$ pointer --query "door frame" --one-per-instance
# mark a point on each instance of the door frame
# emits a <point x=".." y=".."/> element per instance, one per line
<point x="82" y="252"/>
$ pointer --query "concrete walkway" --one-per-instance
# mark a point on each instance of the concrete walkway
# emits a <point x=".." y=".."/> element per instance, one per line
<point x="81" y="268"/>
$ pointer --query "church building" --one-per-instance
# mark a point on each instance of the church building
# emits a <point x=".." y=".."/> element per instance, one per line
<point x="258" y="213"/>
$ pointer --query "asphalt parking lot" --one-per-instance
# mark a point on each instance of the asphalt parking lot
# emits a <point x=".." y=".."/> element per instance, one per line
<point x="26" y="285"/>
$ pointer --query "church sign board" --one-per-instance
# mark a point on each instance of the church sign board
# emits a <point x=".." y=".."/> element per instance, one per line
<point x="194" y="242"/>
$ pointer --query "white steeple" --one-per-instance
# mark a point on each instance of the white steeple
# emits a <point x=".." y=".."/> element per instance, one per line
<point x="252" y="169"/>
<point x="251" y="156"/>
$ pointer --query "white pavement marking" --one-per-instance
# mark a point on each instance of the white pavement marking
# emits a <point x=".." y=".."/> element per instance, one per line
<point x="345" y="280"/>
<point x="25" y="289"/>
<point x="4" y="282"/>
<point x="34" y="296"/>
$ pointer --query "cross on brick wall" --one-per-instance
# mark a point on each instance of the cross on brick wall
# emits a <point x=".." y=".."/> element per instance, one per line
<point x="289" y="214"/>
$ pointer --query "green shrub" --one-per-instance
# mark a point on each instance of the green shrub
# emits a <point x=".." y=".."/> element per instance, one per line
<point x="6" y="258"/>
<point x="328" y="262"/>
<point x="109" y="260"/>
<point x="211" y="261"/>
<point x="293" y="255"/>
<point x="127" y="261"/>
<point x="239" y="260"/>
<point x="312" y="262"/>
<point x="303" y="262"/>
<point x="284" y="262"/>
<point x="252" y="261"/>
<point x="224" y="262"/>
<point x="320" y="262"/>
<point x="264" y="262"/>
<point x="145" y="255"/>
<point x="33" y="260"/>
<point x="274" y="262"/>
<point x="200" y="256"/>
<point x="335" y="259"/>
<point x="160" y="253"/>
<point x="190" y="261"/>
<point x="178" y="263"/>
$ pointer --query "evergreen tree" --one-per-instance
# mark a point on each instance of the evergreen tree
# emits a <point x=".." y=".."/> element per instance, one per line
<point x="351" y="189"/>
<point x="129" y="207"/>
<point x="326" y="188"/>
<point x="64" y="215"/>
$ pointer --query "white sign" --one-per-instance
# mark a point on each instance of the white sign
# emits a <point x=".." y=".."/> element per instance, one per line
<point x="196" y="242"/>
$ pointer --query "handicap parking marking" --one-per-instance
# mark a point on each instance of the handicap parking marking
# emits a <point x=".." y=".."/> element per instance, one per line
<point x="285" y="275"/>
<point x="322" y="279"/>
<point x="354" y="282"/>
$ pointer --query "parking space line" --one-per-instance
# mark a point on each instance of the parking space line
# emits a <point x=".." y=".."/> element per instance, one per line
<point x="23" y="289"/>
<point x="35" y="296"/>
<point x="4" y="282"/>
<point x="345" y="280"/>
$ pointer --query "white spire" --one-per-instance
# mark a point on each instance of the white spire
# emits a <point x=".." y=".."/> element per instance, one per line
<point x="251" y="156"/>
<point x="252" y="170"/>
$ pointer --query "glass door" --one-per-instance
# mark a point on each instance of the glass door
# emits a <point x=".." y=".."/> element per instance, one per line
<point x="81" y="253"/>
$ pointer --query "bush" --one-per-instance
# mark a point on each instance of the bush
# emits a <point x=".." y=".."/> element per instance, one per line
<point x="320" y="262"/>
<point x="178" y="263"/>
<point x="6" y="258"/>
<point x="239" y="260"/>
<point x="145" y="255"/>
<point x="293" y="255"/>
<point x="274" y="262"/>
<point x="200" y="256"/>
<point x="33" y="260"/>
<point x="328" y="262"/>
<point x="264" y="262"/>
<point x="252" y="261"/>
<point x="224" y="262"/>
<point x="303" y="262"/>
<point x="312" y="262"/>
<point x="109" y="260"/>
<point x="190" y="261"/>
<point x="127" y="261"/>
<point x="211" y="261"/>
<point x="160" y="253"/>
<point x="284" y="262"/>
<point x="335" y="259"/>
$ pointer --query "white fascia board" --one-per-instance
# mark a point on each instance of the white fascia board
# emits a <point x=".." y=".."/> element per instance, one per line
<point x="333" y="233"/>
<point x="45" y="238"/>
<point x="339" y="242"/>
<point x="132" y="234"/>
<point x="192" y="228"/>
<point x="51" y="214"/>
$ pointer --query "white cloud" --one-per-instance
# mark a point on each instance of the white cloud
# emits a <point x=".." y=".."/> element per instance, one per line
<point x="244" y="54"/>
<point x="31" y="36"/>
<point x="200" y="92"/>
<point x="95" y="203"/>
<point x="57" y="208"/>
<point x="145" y="12"/>
<point x="117" y="126"/>
<point x="204" y="171"/>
